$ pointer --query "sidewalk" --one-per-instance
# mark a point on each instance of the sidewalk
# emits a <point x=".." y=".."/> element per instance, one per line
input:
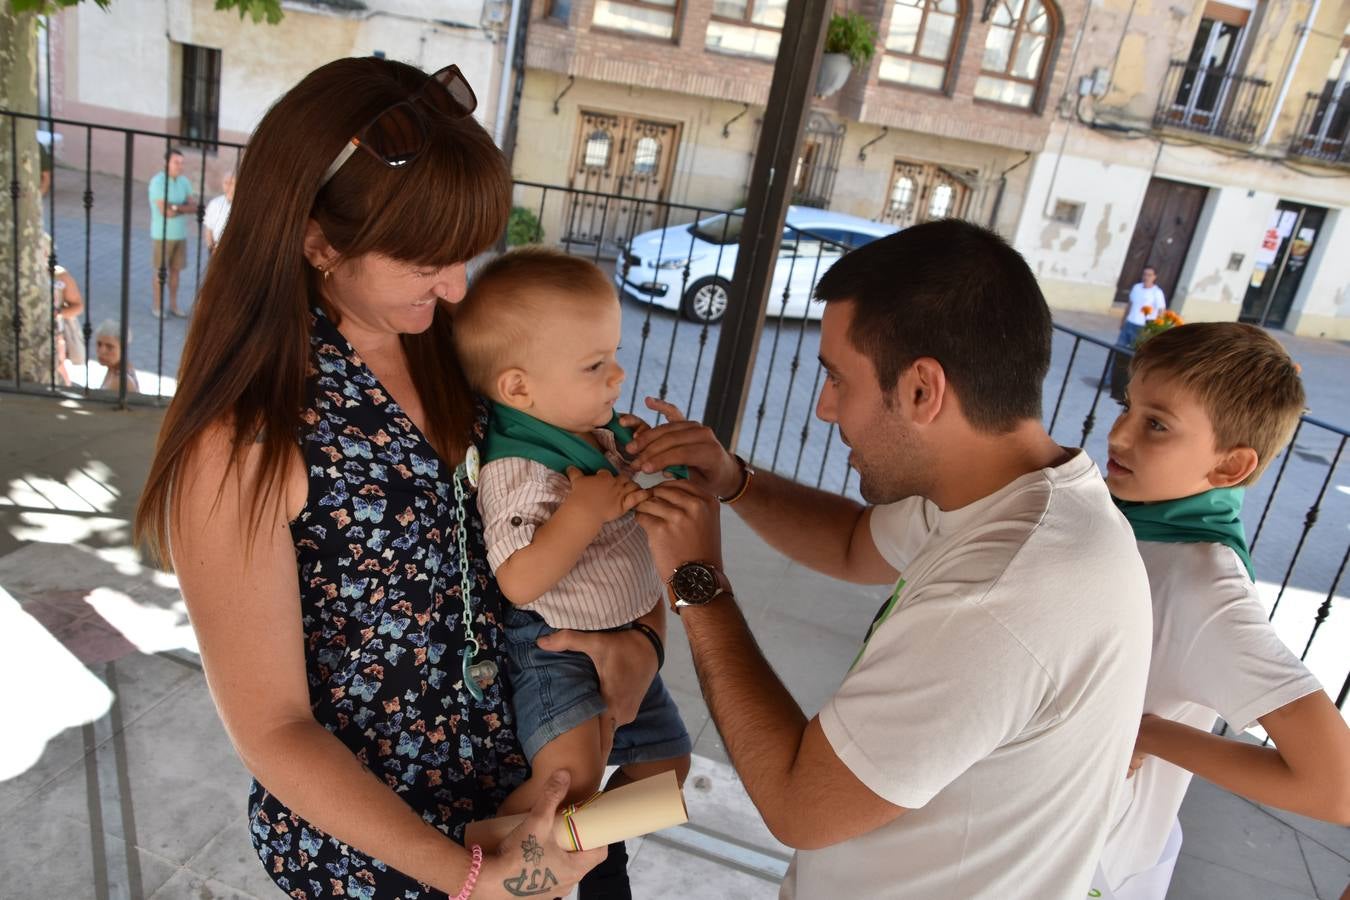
<point x="121" y="782"/>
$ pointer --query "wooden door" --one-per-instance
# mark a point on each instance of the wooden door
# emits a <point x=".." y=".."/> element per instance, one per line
<point x="922" y="192"/>
<point x="1162" y="235"/>
<point x="625" y="165"/>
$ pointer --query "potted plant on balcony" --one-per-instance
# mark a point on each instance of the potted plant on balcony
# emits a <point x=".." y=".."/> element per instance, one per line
<point x="850" y="42"/>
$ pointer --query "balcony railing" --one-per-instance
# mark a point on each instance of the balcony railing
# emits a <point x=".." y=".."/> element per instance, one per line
<point x="1213" y="101"/>
<point x="1322" y="127"/>
<point x="1296" y="520"/>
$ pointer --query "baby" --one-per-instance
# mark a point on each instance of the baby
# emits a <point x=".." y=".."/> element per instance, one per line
<point x="537" y="334"/>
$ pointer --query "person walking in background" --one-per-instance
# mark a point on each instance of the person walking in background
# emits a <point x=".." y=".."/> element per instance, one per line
<point x="171" y="205"/>
<point x="217" y="211"/>
<point x="1147" y="302"/>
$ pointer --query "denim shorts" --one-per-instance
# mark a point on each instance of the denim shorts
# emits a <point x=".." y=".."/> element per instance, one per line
<point x="556" y="692"/>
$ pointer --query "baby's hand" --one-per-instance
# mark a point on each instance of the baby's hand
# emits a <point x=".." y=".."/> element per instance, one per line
<point x="603" y="494"/>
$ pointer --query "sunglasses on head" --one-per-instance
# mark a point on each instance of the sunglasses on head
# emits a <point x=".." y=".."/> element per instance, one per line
<point x="399" y="133"/>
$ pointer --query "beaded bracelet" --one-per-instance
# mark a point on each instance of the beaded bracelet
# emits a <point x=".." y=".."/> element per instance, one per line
<point x="472" y="878"/>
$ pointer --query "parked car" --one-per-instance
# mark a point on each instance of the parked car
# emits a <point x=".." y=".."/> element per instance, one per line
<point x="652" y="266"/>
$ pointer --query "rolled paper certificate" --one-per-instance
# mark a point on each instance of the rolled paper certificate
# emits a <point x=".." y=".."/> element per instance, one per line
<point x="626" y="812"/>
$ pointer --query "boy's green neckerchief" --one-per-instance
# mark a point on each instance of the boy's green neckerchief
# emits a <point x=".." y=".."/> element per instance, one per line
<point x="1213" y="517"/>
<point x="512" y="433"/>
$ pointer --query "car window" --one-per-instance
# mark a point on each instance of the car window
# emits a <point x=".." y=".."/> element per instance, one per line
<point x="724" y="228"/>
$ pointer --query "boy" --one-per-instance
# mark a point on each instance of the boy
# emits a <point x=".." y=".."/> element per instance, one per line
<point x="537" y="334"/>
<point x="1208" y="406"/>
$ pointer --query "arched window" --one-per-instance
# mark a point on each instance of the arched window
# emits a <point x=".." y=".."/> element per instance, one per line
<point x="918" y="49"/>
<point x="645" y="156"/>
<point x="902" y="195"/>
<point x="1015" y="51"/>
<point x="596" y="154"/>
<point x="942" y="202"/>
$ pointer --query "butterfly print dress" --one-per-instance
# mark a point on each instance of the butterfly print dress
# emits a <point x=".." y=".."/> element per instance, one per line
<point x="377" y="549"/>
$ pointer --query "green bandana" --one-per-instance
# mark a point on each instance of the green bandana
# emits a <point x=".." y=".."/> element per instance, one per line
<point x="1214" y="517"/>
<point x="512" y="433"/>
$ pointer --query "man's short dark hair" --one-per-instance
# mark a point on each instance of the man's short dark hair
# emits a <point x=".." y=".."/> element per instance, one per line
<point x="171" y="153"/>
<point x="960" y="294"/>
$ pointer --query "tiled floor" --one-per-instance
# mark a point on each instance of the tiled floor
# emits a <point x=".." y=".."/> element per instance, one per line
<point x="120" y="782"/>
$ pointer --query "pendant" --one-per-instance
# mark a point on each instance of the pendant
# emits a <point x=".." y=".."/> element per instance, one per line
<point x="477" y="676"/>
<point x="471" y="465"/>
<point x="483" y="673"/>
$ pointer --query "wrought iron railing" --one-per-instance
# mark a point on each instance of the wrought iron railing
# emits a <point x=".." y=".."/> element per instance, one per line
<point x="1322" y="127"/>
<point x="1212" y="100"/>
<point x="97" y="216"/>
<point x="1297" y="522"/>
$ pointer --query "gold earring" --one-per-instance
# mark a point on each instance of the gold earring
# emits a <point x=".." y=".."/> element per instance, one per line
<point x="325" y="272"/>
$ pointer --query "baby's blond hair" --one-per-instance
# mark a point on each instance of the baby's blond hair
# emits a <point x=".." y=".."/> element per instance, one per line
<point x="503" y="318"/>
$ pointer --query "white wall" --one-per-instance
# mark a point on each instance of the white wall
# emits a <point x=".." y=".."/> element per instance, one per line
<point x="1078" y="267"/>
<point x="1233" y="221"/>
<point x="124" y="59"/>
<point x="128" y="61"/>
<point x="1322" y="305"/>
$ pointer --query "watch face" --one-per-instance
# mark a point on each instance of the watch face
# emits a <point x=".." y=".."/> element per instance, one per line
<point x="694" y="583"/>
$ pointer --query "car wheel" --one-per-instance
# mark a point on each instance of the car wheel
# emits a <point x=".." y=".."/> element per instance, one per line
<point x="705" y="301"/>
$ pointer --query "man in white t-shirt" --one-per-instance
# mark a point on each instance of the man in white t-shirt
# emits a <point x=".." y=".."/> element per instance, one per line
<point x="976" y="745"/>
<point x="1147" y="302"/>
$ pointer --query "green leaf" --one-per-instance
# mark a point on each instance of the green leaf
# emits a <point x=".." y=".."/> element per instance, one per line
<point x="258" y="10"/>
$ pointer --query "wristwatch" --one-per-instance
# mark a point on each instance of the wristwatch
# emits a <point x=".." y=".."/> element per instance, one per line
<point x="696" y="584"/>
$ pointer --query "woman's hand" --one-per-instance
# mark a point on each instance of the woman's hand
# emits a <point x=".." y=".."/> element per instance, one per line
<point x="530" y="862"/>
<point x="624" y="661"/>
<point x="680" y="442"/>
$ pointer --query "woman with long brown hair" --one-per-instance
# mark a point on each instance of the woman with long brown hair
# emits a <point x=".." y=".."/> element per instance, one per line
<point x="310" y="488"/>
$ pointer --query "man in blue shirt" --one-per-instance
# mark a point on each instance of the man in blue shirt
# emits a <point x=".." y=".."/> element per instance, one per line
<point x="171" y="206"/>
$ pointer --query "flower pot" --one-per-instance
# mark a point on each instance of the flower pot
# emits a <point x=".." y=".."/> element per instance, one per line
<point x="834" y="71"/>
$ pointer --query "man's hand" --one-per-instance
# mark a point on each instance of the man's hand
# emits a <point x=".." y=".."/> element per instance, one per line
<point x="623" y="660"/>
<point x="604" y="496"/>
<point x="683" y="524"/>
<point x="680" y="442"/>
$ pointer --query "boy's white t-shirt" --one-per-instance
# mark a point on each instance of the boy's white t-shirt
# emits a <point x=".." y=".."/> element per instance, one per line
<point x="1214" y="654"/>
<point x="1000" y="699"/>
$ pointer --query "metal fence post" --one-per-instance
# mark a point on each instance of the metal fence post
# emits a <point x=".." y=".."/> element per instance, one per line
<point x="794" y="80"/>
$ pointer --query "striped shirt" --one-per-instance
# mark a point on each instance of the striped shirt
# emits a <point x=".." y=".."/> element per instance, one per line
<point x="615" y="580"/>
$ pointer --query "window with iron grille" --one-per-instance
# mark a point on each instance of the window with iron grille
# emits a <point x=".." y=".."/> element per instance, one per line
<point x="200" y="125"/>
<point x="920" y="41"/>
<point x="648" y="18"/>
<point x="1021" y="33"/>
<point x="748" y="27"/>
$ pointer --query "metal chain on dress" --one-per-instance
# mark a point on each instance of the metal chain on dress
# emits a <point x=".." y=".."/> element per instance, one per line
<point x="471" y="645"/>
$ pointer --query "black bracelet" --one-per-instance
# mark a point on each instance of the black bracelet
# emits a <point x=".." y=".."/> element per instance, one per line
<point x="655" y="638"/>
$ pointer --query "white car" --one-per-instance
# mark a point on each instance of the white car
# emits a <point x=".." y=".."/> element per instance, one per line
<point x="652" y="267"/>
